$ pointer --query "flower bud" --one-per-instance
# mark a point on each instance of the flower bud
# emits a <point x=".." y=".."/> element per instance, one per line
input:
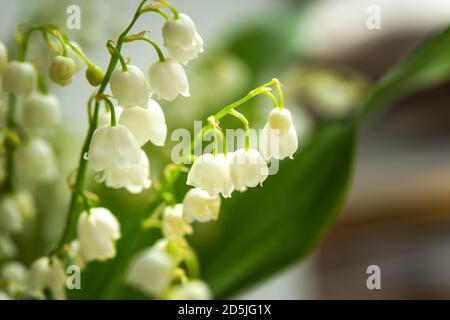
<point x="61" y="70"/>
<point x="193" y="290"/>
<point x="3" y="57"/>
<point x="113" y="147"/>
<point x="212" y="174"/>
<point x="36" y="161"/>
<point x="134" y="178"/>
<point x="98" y="231"/>
<point x="173" y="223"/>
<point x="181" y="39"/>
<point x="19" y="78"/>
<point x="280" y="120"/>
<point x="199" y="205"/>
<point x="94" y="74"/>
<point x="168" y="79"/>
<point x="48" y="273"/>
<point x="15" y="210"/>
<point x="151" y="271"/>
<point x="40" y="113"/>
<point x="247" y="168"/>
<point x="130" y="87"/>
<point x="146" y="124"/>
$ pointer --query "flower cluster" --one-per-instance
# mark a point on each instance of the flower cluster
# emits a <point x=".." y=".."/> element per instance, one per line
<point x="121" y="123"/>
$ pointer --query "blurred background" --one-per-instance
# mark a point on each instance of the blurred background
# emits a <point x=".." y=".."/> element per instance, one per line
<point x="397" y="211"/>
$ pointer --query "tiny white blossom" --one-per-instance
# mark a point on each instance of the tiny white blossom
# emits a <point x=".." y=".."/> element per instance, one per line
<point x="173" y="223"/>
<point x="98" y="231"/>
<point x="134" y="178"/>
<point x="151" y="271"/>
<point x="278" y="138"/>
<point x="16" y="274"/>
<point x="19" y="78"/>
<point x="130" y="87"/>
<point x="15" y="210"/>
<point x="40" y="113"/>
<point x="113" y="147"/>
<point x="62" y="69"/>
<point x="247" y="168"/>
<point x="36" y="161"/>
<point x="3" y="57"/>
<point x="199" y="205"/>
<point x="146" y="123"/>
<point x="212" y="174"/>
<point x="280" y="120"/>
<point x="48" y="273"/>
<point x="193" y="290"/>
<point x="181" y="39"/>
<point x="168" y="79"/>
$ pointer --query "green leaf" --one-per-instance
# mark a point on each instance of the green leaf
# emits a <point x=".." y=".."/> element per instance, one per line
<point x="428" y="65"/>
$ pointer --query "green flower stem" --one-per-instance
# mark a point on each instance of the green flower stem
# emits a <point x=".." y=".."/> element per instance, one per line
<point x="111" y="110"/>
<point x="244" y="121"/>
<point x="152" y="9"/>
<point x="176" y="15"/>
<point x="23" y="41"/>
<point x="79" y="53"/>
<point x="41" y="84"/>
<point x="154" y="45"/>
<point x="82" y="164"/>
<point x="11" y="125"/>
<point x="113" y="50"/>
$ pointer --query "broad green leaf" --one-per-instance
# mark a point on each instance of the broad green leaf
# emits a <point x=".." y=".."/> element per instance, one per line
<point x="427" y="65"/>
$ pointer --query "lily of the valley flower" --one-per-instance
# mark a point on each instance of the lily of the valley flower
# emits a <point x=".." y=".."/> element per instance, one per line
<point x="181" y="39"/>
<point x="98" y="231"/>
<point x="278" y="138"/>
<point x="212" y="174"/>
<point x="146" y="123"/>
<point x="15" y="210"/>
<point x="247" y="168"/>
<point x="174" y="225"/>
<point x="200" y="206"/>
<point x="192" y="290"/>
<point x="113" y="147"/>
<point x="19" y="78"/>
<point x="62" y="69"/>
<point x="130" y="87"/>
<point x="3" y="57"/>
<point x="75" y="253"/>
<point x="151" y="271"/>
<point x="16" y="274"/>
<point x="40" y="113"/>
<point x="48" y="273"/>
<point x="36" y="161"/>
<point x="168" y="79"/>
<point x="134" y="178"/>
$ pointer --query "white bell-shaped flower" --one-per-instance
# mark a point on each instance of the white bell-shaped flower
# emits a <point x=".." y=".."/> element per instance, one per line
<point x="247" y="168"/>
<point x="146" y="123"/>
<point x="48" y="273"/>
<point x="212" y="174"/>
<point x="181" y="39"/>
<point x="3" y="57"/>
<point x="168" y="79"/>
<point x="15" y="210"/>
<point x="16" y="274"/>
<point x="19" y="78"/>
<point x="40" y="113"/>
<point x="134" y="178"/>
<point x="200" y="206"/>
<point x="130" y="87"/>
<point x="192" y="290"/>
<point x="173" y="223"/>
<point x="278" y="139"/>
<point x="62" y="69"/>
<point x="151" y="271"/>
<point x="280" y="119"/>
<point x="36" y="161"/>
<point x="98" y="231"/>
<point x="113" y="147"/>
